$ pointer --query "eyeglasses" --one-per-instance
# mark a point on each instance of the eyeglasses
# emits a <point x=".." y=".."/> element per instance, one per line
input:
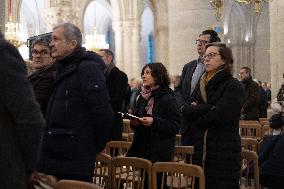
<point x="41" y="53"/>
<point x="201" y="42"/>
<point x="209" y="55"/>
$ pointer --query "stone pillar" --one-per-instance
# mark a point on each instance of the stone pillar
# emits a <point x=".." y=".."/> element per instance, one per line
<point x="136" y="51"/>
<point x="119" y="61"/>
<point x="187" y="19"/>
<point x="127" y="48"/>
<point x="2" y="16"/>
<point x="276" y="44"/>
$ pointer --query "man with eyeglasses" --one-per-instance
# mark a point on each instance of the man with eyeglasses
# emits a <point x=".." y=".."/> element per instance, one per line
<point x="191" y="73"/>
<point x="44" y="76"/>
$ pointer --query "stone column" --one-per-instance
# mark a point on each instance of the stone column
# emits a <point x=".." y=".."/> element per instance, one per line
<point x="187" y="19"/>
<point x="2" y="16"/>
<point x="119" y="61"/>
<point x="136" y="51"/>
<point x="276" y="44"/>
<point x="127" y="48"/>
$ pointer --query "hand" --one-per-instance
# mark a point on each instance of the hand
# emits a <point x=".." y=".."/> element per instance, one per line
<point x="135" y="122"/>
<point x="194" y="103"/>
<point x="147" y="121"/>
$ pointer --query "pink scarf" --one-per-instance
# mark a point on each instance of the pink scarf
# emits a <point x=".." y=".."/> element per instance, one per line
<point x="146" y="94"/>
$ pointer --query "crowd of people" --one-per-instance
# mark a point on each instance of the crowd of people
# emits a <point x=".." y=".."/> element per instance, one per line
<point x="56" y="119"/>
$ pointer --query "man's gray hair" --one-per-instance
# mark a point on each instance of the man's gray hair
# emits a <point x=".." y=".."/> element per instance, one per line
<point x="40" y="41"/>
<point x="71" y="32"/>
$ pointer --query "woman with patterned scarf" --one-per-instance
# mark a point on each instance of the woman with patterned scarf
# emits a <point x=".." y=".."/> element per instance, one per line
<point x="214" y="118"/>
<point x="155" y="131"/>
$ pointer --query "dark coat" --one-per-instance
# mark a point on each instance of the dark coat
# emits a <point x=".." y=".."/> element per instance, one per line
<point x="79" y="117"/>
<point x="271" y="161"/>
<point x="183" y="90"/>
<point x="220" y="116"/>
<point x="252" y="100"/>
<point x="43" y="81"/>
<point x="117" y="83"/>
<point x="157" y="141"/>
<point x="21" y="122"/>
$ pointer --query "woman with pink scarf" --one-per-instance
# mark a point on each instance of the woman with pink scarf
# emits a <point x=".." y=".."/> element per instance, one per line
<point x="155" y="130"/>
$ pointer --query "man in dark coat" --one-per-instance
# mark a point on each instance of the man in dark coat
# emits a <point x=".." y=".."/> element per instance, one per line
<point x="79" y="114"/>
<point x="191" y="73"/>
<point x="44" y="77"/>
<point x="250" y="109"/>
<point x="117" y="84"/>
<point x="21" y="122"/>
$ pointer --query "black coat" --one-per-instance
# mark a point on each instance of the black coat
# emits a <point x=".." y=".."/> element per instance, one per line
<point x="43" y="81"/>
<point x="157" y="141"/>
<point x="183" y="91"/>
<point x="21" y="122"/>
<point x="252" y="100"/>
<point x="79" y="117"/>
<point x="220" y="115"/>
<point x="117" y="84"/>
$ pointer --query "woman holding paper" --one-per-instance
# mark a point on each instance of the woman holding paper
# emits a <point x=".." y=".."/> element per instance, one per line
<point x="155" y="130"/>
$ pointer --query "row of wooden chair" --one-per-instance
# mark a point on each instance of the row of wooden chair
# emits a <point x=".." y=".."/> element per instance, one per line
<point x="133" y="172"/>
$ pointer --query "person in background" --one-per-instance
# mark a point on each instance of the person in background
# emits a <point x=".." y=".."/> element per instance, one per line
<point x="21" y="121"/>
<point x="263" y="102"/>
<point x="135" y="87"/>
<point x="191" y="73"/>
<point x="268" y="91"/>
<point x="117" y="85"/>
<point x="250" y="110"/>
<point x="44" y="76"/>
<point x="175" y="81"/>
<point x="159" y="122"/>
<point x="79" y="115"/>
<point x="214" y="120"/>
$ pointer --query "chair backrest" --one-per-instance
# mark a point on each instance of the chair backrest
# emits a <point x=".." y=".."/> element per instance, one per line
<point x="250" y="131"/>
<point x="126" y="126"/>
<point x="117" y="148"/>
<point x="250" y="144"/>
<point x="178" y="140"/>
<point x="183" y="154"/>
<point x="186" y="175"/>
<point x="130" y="172"/>
<point x="102" y="170"/>
<point x="249" y="158"/>
<point x="245" y="122"/>
<point x="74" y="184"/>
<point x="266" y="130"/>
<point x="264" y="121"/>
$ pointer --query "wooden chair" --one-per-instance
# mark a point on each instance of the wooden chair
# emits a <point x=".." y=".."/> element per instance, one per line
<point x="250" y="131"/>
<point x="248" y="181"/>
<point x="264" y="121"/>
<point x="250" y="144"/>
<point x="130" y="172"/>
<point x="175" y="173"/>
<point x="247" y="122"/>
<point x="178" y="140"/>
<point x="183" y="154"/>
<point x="126" y="126"/>
<point x="266" y="130"/>
<point x="117" y="148"/>
<point x="74" y="184"/>
<point x="102" y="171"/>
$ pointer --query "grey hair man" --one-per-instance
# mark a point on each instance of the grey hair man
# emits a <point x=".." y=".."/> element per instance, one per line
<point x="79" y="115"/>
<point x="188" y="88"/>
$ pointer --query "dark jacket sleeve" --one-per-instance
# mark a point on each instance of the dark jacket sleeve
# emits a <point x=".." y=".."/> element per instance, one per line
<point x="226" y="109"/>
<point x="178" y="91"/>
<point x="169" y="121"/>
<point x="118" y="90"/>
<point x="96" y="97"/>
<point x="18" y="98"/>
<point x="253" y="99"/>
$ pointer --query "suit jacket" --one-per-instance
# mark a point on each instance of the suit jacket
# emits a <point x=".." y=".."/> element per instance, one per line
<point x="21" y="121"/>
